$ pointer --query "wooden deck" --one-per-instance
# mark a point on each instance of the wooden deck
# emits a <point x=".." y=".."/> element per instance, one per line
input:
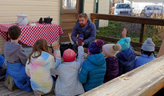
<point x="17" y="92"/>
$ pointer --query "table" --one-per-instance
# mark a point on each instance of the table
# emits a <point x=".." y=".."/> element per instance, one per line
<point x="29" y="34"/>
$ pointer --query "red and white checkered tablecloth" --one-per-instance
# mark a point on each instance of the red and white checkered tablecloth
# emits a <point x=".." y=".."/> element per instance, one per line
<point x="29" y="34"/>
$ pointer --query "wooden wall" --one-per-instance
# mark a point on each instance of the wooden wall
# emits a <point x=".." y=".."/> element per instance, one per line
<point x="2" y="42"/>
<point x="9" y="9"/>
<point x="89" y="7"/>
<point x="103" y="9"/>
<point x="118" y="1"/>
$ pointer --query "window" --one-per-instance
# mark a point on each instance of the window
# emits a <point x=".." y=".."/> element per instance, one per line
<point x="158" y="8"/>
<point x="150" y="8"/>
<point x="123" y="6"/>
<point x="154" y="8"/>
<point x="69" y="4"/>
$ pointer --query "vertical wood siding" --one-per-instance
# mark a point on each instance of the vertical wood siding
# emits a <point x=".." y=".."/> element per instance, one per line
<point x="89" y="7"/>
<point x="9" y="9"/>
<point x="103" y="9"/>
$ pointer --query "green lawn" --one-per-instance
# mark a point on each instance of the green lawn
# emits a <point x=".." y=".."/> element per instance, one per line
<point x="115" y="28"/>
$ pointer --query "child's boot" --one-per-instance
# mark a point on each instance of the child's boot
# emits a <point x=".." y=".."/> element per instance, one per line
<point x="9" y="83"/>
<point x="6" y="81"/>
<point x="36" y="93"/>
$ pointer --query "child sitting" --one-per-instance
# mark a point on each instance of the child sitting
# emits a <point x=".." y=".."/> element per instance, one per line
<point x="147" y="51"/>
<point x="16" y="59"/>
<point x="38" y="67"/>
<point x="109" y="51"/>
<point x="67" y="83"/>
<point x="127" y="56"/>
<point x="94" y="68"/>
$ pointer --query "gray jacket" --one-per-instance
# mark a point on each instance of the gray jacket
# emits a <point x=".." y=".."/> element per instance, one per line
<point x="14" y="53"/>
<point x="67" y="84"/>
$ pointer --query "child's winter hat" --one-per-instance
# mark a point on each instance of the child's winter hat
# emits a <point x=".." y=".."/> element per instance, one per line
<point x="69" y="55"/>
<point x="125" y="43"/>
<point x="96" y="47"/>
<point x="148" y="45"/>
<point x="111" y="49"/>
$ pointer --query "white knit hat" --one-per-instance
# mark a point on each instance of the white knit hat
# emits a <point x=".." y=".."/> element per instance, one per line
<point x="148" y="45"/>
<point x="111" y="49"/>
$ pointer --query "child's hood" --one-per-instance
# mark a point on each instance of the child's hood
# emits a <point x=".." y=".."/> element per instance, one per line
<point x="97" y="59"/>
<point x="11" y="47"/>
<point x="127" y="55"/>
<point x="44" y="59"/>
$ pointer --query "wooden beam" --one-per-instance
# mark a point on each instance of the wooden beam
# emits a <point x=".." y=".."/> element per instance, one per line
<point x="145" y="80"/>
<point x="130" y="19"/>
<point x="93" y="20"/>
<point x="109" y="39"/>
<point x="142" y="34"/>
<point x="161" y="50"/>
<point x="133" y="44"/>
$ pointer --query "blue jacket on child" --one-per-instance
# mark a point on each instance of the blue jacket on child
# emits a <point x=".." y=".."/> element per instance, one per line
<point x="17" y="71"/>
<point x="143" y="59"/>
<point x="126" y="60"/>
<point x="93" y="71"/>
<point x="2" y="70"/>
<point x="2" y="59"/>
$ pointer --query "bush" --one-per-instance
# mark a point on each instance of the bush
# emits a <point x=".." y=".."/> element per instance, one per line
<point x="115" y="28"/>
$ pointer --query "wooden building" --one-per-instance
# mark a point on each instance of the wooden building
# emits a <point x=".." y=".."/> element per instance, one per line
<point x="63" y="12"/>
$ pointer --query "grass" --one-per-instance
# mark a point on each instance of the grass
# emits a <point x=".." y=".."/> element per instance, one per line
<point x="115" y="28"/>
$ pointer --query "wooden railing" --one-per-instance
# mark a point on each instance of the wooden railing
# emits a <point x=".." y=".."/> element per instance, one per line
<point x="142" y="81"/>
<point x="130" y="19"/>
<point x="145" y="80"/>
<point x="134" y="44"/>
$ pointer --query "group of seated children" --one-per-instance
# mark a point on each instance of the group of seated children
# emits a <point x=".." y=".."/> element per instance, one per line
<point x="75" y="76"/>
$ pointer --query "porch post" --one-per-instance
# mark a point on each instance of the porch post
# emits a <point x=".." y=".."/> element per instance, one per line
<point x="142" y="33"/>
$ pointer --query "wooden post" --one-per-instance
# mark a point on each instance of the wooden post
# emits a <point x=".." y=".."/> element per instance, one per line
<point x="92" y="18"/>
<point x="143" y="26"/>
<point x="161" y="51"/>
